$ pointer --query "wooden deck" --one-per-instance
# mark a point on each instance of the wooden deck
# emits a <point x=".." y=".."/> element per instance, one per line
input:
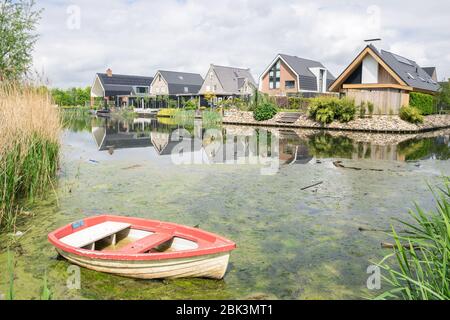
<point x="289" y="117"/>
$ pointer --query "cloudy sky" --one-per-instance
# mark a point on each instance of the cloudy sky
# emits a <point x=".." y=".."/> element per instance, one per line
<point x="82" y="37"/>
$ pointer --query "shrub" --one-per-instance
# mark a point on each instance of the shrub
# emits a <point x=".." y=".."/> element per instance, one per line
<point x="265" y="111"/>
<point x="411" y="114"/>
<point x="294" y="102"/>
<point x="327" y="109"/>
<point x="191" y="104"/>
<point x="346" y="110"/>
<point x="282" y="102"/>
<point x="370" y="108"/>
<point x="423" y="102"/>
<point x="167" y="112"/>
<point x="298" y="103"/>
<point x="362" y="110"/>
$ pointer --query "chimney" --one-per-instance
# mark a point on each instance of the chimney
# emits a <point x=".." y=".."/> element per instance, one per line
<point x="109" y="73"/>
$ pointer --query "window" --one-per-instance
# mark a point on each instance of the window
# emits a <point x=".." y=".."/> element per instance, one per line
<point x="321" y="79"/>
<point x="180" y="77"/>
<point x="274" y="76"/>
<point x="211" y="75"/>
<point x="410" y="76"/>
<point x="215" y="88"/>
<point x="186" y="90"/>
<point x="141" y="90"/>
<point x="290" y="84"/>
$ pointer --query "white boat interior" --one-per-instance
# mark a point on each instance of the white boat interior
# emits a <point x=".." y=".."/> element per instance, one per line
<point x="117" y="236"/>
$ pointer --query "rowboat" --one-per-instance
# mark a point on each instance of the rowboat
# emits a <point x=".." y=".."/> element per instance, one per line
<point x="143" y="249"/>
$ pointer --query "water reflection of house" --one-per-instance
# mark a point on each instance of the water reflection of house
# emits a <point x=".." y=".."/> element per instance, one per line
<point x="163" y="142"/>
<point x="293" y="150"/>
<point x="372" y="151"/>
<point x="107" y="140"/>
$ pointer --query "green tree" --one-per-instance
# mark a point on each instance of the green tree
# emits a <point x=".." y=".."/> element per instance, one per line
<point x="443" y="98"/>
<point x="72" y="96"/>
<point x="18" y="20"/>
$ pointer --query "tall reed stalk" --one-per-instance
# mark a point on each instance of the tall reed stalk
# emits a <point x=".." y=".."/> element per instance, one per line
<point x="422" y="252"/>
<point x="29" y="145"/>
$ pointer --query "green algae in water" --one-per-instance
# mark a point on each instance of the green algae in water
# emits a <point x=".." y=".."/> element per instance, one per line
<point x="292" y="244"/>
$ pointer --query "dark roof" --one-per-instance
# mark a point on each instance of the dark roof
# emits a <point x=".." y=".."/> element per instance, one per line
<point x="301" y="66"/>
<point x="232" y="79"/>
<point x="408" y="70"/>
<point x="178" y="81"/>
<point x="120" y="84"/>
<point x="431" y="72"/>
<point x="117" y="90"/>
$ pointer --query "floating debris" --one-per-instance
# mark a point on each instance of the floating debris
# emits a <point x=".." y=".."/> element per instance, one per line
<point x="338" y="164"/>
<point x="312" y="186"/>
<point x="133" y="167"/>
<point x="18" y="234"/>
<point x="386" y="245"/>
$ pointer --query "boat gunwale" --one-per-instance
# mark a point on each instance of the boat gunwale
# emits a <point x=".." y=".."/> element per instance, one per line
<point x="205" y="247"/>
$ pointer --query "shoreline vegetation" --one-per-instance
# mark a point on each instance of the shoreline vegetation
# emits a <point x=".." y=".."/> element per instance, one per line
<point x="30" y="129"/>
<point x="375" y="124"/>
<point x="422" y="254"/>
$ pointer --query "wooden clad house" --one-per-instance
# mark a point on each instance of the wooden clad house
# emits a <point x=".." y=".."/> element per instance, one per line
<point x="291" y="75"/>
<point x="173" y="84"/>
<point x="228" y="82"/>
<point x="120" y="90"/>
<point x="385" y="79"/>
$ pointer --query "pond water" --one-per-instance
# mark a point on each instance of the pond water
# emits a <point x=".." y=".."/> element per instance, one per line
<point x="247" y="184"/>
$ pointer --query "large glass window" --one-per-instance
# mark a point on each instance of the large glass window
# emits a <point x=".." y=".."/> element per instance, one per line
<point x="141" y="90"/>
<point x="275" y="75"/>
<point x="290" y="84"/>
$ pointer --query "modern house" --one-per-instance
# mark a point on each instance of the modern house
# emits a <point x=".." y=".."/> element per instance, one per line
<point x="431" y="72"/>
<point x="175" y="84"/>
<point x="120" y="90"/>
<point x="291" y="75"/>
<point x="225" y="82"/>
<point x="385" y="79"/>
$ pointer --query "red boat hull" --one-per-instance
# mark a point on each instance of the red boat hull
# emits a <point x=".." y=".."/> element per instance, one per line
<point x="193" y="252"/>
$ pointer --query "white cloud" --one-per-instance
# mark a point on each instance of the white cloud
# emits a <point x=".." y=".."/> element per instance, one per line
<point x="140" y="37"/>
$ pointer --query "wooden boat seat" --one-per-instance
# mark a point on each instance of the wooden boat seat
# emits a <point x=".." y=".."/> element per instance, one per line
<point x="148" y="243"/>
<point x="95" y="233"/>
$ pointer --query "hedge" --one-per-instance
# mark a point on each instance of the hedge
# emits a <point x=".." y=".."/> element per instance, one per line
<point x="423" y="102"/>
<point x="328" y="109"/>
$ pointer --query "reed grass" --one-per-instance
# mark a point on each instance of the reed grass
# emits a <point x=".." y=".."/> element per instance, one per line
<point x="46" y="293"/>
<point x="10" y="294"/>
<point x="211" y="119"/>
<point x="29" y="145"/>
<point x="184" y="117"/>
<point x="422" y="253"/>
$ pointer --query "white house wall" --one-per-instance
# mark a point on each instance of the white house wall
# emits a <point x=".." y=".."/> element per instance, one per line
<point x="369" y="70"/>
<point x="316" y="72"/>
<point x="159" y="86"/>
<point x="211" y="83"/>
<point x="97" y="89"/>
